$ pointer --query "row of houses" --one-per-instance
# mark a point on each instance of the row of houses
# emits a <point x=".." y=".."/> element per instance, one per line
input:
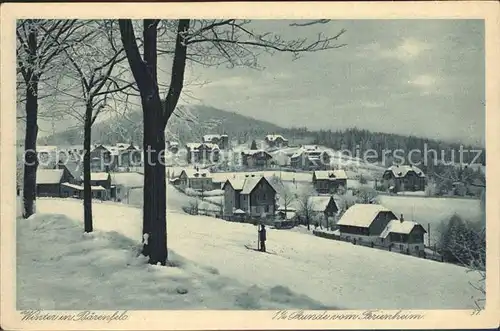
<point x="102" y="157"/>
<point x="373" y="223"/>
<point x="65" y="179"/>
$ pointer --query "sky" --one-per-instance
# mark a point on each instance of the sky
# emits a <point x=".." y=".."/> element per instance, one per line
<point x="414" y="77"/>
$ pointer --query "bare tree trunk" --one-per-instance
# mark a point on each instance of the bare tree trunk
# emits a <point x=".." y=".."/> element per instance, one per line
<point x="30" y="156"/>
<point x="155" y="116"/>
<point x="87" y="190"/>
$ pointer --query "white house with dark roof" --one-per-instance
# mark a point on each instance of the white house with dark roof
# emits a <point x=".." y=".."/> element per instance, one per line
<point x="252" y="194"/>
<point x="221" y="140"/>
<point x="202" y="152"/>
<point x="276" y="140"/>
<point x="48" y="182"/>
<point x="365" y="222"/>
<point x="324" y="206"/>
<point x="328" y="181"/>
<point x="256" y="158"/>
<point x="310" y="159"/>
<point x="404" y="178"/>
<point x="403" y="235"/>
<point x="196" y="179"/>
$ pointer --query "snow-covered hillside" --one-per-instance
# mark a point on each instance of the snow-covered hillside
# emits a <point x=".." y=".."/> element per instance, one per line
<point x="335" y="274"/>
<point x="59" y="267"/>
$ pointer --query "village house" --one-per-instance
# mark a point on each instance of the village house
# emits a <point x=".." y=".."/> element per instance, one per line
<point x="328" y="181"/>
<point x="310" y="160"/>
<point x="196" y="179"/>
<point x="202" y="153"/>
<point x="364" y="222"/>
<point x="128" y="155"/>
<point x="323" y="206"/>
<point x="100" y="183"/>
<point x="221" y="140"/>
<point x="103" y="157"/>
<point x="404" y="178"/>
<point x="256" y="159"/>
<point x="254" y="195"/>
<point x="405" y="236"/>
<point x="122" y="183"/>
<point x="49" y="182"/>
<point x="276" y="140"/>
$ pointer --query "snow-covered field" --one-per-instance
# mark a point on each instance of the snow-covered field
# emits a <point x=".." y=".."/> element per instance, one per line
<point x="431" y="210"/>
<point x="60" y="267"/>
<point x="335" y="274"/>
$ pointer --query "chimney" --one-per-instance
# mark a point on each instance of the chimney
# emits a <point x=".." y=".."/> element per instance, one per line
<point x="402" y="219"/>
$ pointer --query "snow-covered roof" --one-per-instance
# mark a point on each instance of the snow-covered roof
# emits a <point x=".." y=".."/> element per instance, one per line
<point x="74" y="186"/>
<point x="251" y="183"/>
<point x="273" y="137"/>
<point x="310" y="147"/>
<point x="331" y="174"/>
<point x="80" y="187"/>
<point x="98" y="176"/>
<point x="212" y="146"/>
<point x="127" y="179"/>
<point x="361" y="215"/>
<point x="288" y="208"/>
<point x="401" y="170"/>
<point x="237" y="183"/>
<point x="210" y="137"/>
<point x="122" y="145"/>
<point x="396" y="226"/>
<point x="195" y="146"/>
<point x="319" y="203"/>
<point x="49" y="176"/>
<point x="75" y="168"/>
<point x="193" y="173"/>
<point x="255" y="151"/>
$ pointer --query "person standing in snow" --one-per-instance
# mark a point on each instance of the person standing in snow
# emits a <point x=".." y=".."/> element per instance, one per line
<point x="262" y="238"/>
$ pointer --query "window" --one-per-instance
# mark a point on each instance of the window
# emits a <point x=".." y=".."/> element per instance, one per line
<point x="264" y="196"/>
<point x="266" y="209"/>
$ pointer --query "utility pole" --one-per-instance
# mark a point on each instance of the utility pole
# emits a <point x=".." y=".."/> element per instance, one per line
<point x="429" y="234"/>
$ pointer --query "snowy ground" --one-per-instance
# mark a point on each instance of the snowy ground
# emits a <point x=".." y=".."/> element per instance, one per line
<point x="335" y="274"/>
<point x="59" y="267"/>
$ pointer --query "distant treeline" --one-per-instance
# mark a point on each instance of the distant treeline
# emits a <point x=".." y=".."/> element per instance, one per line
<point x="358" y="141"/>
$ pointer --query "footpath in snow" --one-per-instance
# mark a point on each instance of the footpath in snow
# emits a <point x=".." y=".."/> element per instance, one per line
<point x="335" y="274"/>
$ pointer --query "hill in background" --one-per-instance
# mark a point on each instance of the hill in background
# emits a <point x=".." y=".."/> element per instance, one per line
<point x="187" y="124"/>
